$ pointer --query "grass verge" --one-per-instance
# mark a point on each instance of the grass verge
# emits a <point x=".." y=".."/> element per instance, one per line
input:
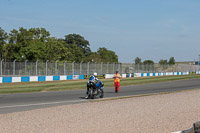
<point x="81" y="84"/>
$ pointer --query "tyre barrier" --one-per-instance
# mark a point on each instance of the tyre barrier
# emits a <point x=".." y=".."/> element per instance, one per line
<point x="194" y="129"/>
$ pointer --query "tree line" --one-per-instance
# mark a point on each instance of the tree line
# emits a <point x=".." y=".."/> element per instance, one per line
<point x="37" y="44"/>
<point x="171" y="61"/>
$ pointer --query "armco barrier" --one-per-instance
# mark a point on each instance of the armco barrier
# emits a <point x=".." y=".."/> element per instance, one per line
<point x="39" y="78"/>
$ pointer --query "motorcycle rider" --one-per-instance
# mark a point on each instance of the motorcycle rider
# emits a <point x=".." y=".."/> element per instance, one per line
<point x="94" y="79"/>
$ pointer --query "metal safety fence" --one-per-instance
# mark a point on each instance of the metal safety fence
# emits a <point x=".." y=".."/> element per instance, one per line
<point x="16" y="68"/>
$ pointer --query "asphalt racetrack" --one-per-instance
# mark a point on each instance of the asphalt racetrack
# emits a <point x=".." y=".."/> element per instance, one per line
<point x="28" y="101"/>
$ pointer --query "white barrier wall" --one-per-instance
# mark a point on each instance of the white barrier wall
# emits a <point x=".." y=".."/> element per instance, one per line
<point x="108" y="76"/>
<point x="0" y="79"/>
<point x="123" y="75"/>
<point x="16" y="79"/>
<point x="62" y="77"/>
<point x="49" y="78"/>
<point x="137" y="74"/>
<point x="39" y="78"/>
<point x="76" y="77"/>
<point x="33" y="78"/>
<point x="150" y="74"/>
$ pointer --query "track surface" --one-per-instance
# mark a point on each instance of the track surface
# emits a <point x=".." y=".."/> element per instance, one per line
<point x="28" y="101"/>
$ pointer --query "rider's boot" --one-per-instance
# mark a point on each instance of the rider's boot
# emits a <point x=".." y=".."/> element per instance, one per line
<point x="86" y="96"/>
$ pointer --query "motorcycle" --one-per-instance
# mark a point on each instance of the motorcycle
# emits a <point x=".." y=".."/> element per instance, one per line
<point x="95" y="89"/>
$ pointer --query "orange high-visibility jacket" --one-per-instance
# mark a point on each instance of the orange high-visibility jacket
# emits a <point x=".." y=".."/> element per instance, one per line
<point x="117" y="78"/>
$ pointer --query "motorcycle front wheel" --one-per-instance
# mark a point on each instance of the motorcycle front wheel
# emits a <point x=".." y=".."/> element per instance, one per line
<point x="102" y="94"/>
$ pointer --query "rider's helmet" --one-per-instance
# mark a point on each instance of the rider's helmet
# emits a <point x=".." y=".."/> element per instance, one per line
<point x="95" y="74"/>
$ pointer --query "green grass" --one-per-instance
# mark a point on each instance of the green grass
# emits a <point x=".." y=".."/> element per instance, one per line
<point x="81" y="84"/>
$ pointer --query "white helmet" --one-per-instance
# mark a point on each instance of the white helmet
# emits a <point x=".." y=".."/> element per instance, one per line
<point x="95" y="74"/>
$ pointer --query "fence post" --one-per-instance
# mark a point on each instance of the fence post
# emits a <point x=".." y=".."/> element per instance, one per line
<point x="36" y="68"/>
<point x="64" y="67"/>
<point x="81" y="67"/>
<point x="25" y="66"/>
<point x="107" y="67"/>
<point x="73" y="67"/>
<point x="113" y="68"/>
<point x="88" y="68"/>
<point x="14" y="67"/>
<point x="119" y="68"/>
<point x="56" y="65"/>
<point x="2" y="67"/>
<point x="46" y="66"/>
<point x="95" y="66"/>
<point x="101" y="67"/>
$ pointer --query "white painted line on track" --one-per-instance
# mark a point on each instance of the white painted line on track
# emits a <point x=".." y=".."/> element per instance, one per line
<point x="177" y="132"/>
<point x="37" y="104"/>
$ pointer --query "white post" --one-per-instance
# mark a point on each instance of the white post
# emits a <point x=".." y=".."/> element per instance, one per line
<point x="101" y="67"/>
<point x="46" y="66"/>
<point x="56" y="67"/>
<point x="64" y="67"/>
<point x="95" y="65"/>
<point x="113" y="68"/>
<point x="119" y="68"/>
<point x="2" y="67"/>
<point x="73" y="67"/>
<point x="81" y="67"/>
<point x="36" y="68"/>
<point x="88" y="69"/>
<point x="107" y="68"/>
<point x="14" y="67"/>
<point x="25" y="66"/>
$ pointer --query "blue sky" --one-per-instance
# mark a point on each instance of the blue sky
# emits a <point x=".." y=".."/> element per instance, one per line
<point x="149" y="29"/>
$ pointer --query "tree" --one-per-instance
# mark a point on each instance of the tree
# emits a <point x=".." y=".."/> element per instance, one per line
<point x="107" y="55"/>
<point x="95" y="57"/>
<point x="40" y="33"/>
<point x="138" y="60"/>
<point x="3" y="41"/>
<point x="9" y="52"/>
<point x="76" y="39"/>
<point x="28" y="44"/>
<point x="56" y="50"/>
<point x="36" y="44"/>
<point x="22" y="40"/>
<point x="13" y="36"/>
<point x="148" y="62"/>
<point x="171" y="61"/>
<point x="163" y="62"/>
